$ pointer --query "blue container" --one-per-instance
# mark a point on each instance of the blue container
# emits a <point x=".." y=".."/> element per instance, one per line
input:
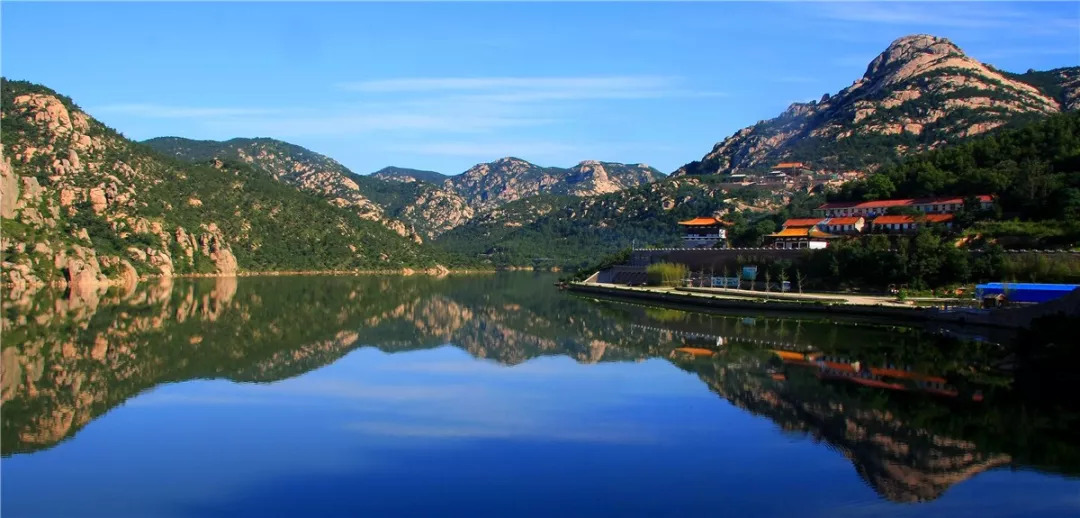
<point x="1024" y="291"/>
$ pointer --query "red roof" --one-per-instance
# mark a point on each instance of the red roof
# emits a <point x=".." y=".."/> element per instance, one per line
<point x="922" y="218"/>
<point x="790" y="165"/>
<point x="803" y="222"/>
<point x="852" y="220"/>
<point x="939" y="200"/>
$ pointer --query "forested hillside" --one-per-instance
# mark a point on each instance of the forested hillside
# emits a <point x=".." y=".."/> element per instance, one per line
<point x="1034" y="170"/>
<point x="569" y="232"/>
<point x="83" y="205"/>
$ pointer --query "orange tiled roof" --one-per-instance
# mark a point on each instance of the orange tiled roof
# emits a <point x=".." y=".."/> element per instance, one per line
<point x="802" y="232"/>
<point x="927" y="218"/>
<point x="866" y="204"/>
<point x="789" y="165"/>
<point x="851" y="220"/>
<point x="803" y="222"/>
<point x="702" y="222"/>
<point x="939" y="200"/>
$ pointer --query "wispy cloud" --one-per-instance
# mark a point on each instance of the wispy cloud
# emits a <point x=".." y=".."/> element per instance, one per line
<point x="504" y="429"/>
<point x="448" y="113"/>
<point x="430" y="84"/>
<point x="161" y="111"/>
<point x="372" y="122"/>
<point x="525" y="148"/>
<point x="533" y="89"/>
<point x="971" y="15"/>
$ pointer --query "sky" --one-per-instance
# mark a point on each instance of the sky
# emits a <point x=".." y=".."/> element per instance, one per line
<point x="444" y="86"/>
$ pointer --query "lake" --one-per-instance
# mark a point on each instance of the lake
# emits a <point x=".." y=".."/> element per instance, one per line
<point x="498" y="395"/>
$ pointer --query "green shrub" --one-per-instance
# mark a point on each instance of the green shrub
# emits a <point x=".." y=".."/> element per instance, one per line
<point x="666" y="274"/>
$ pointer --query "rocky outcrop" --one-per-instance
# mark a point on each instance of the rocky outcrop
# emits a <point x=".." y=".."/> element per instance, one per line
<point x="920" y="93"/>
<point x="489" y="185"/>
<point x="72" y="204"/>
<point x="404" y="174"/>
<point x="9" y="189"/>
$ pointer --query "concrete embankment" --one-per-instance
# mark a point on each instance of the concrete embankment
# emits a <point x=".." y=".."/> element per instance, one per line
<point x="1002" y="318"/>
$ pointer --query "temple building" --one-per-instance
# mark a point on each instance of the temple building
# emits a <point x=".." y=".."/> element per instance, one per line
<point x="937" y="205"/>
<point x="802" y="237"/>
<point x="703" y="232"/>
<point x="900" y="223"/>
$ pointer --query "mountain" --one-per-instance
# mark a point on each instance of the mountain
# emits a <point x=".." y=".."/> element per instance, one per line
<point x="920" y="93"/>
<point x="1062" y="84"/>
<point x="294" y="165"/>
<point x="418" y="210"/>
<point x="404" y="174"/>
<point x="568" y="231"/>
<point x="492" y="184"/>
<point x="414" y="203"/>
<point x="85" y="206"/>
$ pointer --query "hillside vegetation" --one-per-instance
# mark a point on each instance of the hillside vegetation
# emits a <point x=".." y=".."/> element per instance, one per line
<point x="1035" y="171"/>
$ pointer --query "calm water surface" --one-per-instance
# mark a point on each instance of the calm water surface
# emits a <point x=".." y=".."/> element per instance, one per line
<point x="500" y="396"/>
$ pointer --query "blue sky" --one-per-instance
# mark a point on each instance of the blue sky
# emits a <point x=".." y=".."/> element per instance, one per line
<point x="445" y="86"/>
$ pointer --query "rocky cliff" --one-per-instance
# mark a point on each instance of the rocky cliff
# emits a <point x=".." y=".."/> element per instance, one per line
<point x="920" y="93"/>
<point x="85" y="207"/>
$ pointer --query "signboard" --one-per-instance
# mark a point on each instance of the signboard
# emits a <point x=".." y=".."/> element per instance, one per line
<point x="749" y="272"/>
<point x="725" y="282"/>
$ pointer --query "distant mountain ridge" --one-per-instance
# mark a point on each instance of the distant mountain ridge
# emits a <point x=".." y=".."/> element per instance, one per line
<point x="920" y="93"/>
<point x="412" y="202"/>
<point x="508" y="179"/>
<point x="404" y="174"/>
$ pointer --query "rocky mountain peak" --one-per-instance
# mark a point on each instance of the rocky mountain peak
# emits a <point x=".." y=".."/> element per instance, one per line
<point x="909" y="48"/>
<point x="921" y="92"/>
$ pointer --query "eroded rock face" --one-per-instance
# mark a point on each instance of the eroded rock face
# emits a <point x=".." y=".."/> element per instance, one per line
<point x="891" y="99"/>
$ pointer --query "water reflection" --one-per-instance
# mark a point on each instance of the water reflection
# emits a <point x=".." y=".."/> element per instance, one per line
<point x="913" y="412"/>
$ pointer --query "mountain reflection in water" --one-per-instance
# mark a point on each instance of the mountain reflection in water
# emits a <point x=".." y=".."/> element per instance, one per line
<point x="914" y="412"/>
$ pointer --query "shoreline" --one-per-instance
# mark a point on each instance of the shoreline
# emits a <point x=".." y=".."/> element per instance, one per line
<point x="1004" y="318"/>
<point x="302" y="273"/>
<point x="121" y="283"/>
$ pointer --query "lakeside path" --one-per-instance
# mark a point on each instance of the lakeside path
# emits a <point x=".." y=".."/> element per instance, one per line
<point x="836" y="298"/>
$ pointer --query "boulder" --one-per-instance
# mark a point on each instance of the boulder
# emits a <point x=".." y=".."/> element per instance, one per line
<point x="129" y="277"/>
<point x="9" y="190"/>
<point x="98" y="202"/>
